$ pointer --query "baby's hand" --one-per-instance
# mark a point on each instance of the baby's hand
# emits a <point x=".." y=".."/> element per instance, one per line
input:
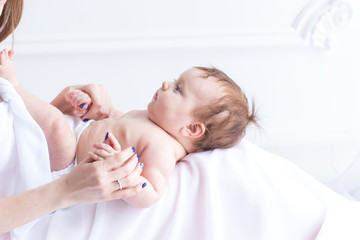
<point x="107" y="149"/>
<point x="110" y="152"/>
<point x="80" y="100"/>
<point x="7" y="67"/>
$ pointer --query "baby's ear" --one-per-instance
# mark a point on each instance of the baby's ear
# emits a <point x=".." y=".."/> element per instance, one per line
<point x="193" y="130"/>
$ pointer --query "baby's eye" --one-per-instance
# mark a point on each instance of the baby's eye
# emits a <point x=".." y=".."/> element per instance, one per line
<point x="178" y="88"/>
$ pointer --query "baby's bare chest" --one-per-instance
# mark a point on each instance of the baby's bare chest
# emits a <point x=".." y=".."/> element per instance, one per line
<point x="136" y="130"/>
<point x="132" y="129"/>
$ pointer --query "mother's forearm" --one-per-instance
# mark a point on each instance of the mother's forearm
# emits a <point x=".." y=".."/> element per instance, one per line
<point x="27" y="206"/>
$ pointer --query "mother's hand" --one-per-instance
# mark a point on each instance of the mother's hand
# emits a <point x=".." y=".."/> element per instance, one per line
<point x="101" y="106"/>
<point x="93" y="181"/>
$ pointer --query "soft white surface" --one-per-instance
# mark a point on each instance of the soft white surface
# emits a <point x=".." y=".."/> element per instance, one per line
<point x="239" y="193"/>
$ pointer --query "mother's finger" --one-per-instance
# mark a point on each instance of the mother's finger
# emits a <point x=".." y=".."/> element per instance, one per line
<point x="130" y="180"/>
<point x="120" y="158"/>
<point x="125" y="193"/>
<point x="126" y="169"/>
<point x="101" y="101"/>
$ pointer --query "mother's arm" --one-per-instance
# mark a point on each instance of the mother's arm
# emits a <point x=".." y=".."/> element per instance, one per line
<point x="101" y="104"/>
<point x="90" y="181"/>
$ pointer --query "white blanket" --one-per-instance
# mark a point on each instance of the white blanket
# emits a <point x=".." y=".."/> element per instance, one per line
<point x="239" y="193"/>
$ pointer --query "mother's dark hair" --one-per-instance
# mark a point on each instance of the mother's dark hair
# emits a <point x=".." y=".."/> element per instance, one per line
<point x="10" y="17"/>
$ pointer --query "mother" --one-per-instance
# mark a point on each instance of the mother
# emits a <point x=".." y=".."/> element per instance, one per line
<point x="90" y="181"/>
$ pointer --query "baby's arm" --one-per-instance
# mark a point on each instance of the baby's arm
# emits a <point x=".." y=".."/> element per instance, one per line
<point x="157" y="171"/>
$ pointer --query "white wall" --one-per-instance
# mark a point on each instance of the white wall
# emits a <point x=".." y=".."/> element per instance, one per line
<point x="307" y="97"/>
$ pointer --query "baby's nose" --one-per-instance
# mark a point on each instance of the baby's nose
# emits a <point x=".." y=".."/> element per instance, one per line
<point x="165" y="86"/>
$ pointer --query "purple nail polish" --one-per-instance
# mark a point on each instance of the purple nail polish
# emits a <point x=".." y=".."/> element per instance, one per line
<point x="138" y="156"/>
<point x="142" y="165"/>
<point x="82" y="105"/>
<point x="86" y="119"/>
<point x="107" y="135"/>
<point x="133" y="149"/>
<point x="144" y="185"/>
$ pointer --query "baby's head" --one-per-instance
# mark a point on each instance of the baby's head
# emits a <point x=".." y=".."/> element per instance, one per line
<point x="203" y="109"/>
<point x="226" y="117"/>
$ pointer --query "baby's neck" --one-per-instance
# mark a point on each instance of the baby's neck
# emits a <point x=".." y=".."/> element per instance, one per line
<point x="182" y="147"/>
<point x="186" y="143"/>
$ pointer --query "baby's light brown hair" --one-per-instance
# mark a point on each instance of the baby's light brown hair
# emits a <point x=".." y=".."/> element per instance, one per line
<point x="227" y="117"/>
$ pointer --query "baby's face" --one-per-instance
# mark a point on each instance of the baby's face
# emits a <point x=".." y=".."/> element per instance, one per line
<point x="172" y="105"/>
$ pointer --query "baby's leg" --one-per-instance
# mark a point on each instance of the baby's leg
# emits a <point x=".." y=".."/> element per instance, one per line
<point x="60" y="138"/>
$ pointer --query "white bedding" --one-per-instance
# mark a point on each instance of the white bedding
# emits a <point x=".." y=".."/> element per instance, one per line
<point x="239" y="193"/>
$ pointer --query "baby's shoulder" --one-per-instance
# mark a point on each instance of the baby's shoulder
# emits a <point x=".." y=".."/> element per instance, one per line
<point x="164" y="148"/>
<point x="159" y="156"/>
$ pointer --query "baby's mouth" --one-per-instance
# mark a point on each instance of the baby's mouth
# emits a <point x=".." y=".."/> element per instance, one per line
<point x="155" y="96"/>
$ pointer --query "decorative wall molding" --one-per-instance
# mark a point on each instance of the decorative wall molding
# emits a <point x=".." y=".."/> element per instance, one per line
<point x="318" y="24"/>
<point x="58" y="45"/>
<point x="321" y="21"/>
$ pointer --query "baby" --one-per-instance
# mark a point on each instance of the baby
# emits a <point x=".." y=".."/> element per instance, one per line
<point x="202" y="110"/>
